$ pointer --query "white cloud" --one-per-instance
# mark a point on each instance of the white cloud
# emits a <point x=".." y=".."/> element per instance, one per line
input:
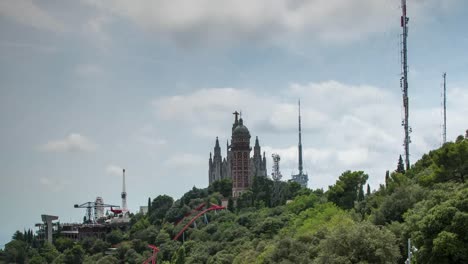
<point x="345" y="127"/>
<point x="114" y="170"/>
<point x="185" y="161"/>
<point x="233" y="20"/>
<point x="72" y="143"/>
<point x="29" y="13"/>
<point x="54" y="185"/>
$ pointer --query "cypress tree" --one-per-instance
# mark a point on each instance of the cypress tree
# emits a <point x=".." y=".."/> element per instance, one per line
<point x="361" y="194"/>
<point x="400" y="167"/>
<point x="149" y="205"/>
<point x="368" y="190"/>
<point x="387" y="177"/>
<point x="230" y="205"/>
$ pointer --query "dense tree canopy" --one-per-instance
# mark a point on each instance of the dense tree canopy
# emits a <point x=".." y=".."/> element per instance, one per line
<point x="346" y="224"/>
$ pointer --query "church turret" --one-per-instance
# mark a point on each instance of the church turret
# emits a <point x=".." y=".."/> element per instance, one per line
<point x="217" y="149"/>
<point x="257" y="149"/>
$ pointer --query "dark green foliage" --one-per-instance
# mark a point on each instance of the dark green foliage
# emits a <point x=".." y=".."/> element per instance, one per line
<point x="393" y="206"/>
<point x="37" y="259"/>
<point x="449" y="163"/>
<point x="294" y="189"/>
<point x="428" y="203"/>
<point x="345" y="191"/>
<point x="74" y="255"/>
<point x="159" y="208"/>
<point x="400" y="166"/>
<point x="149" y="206"/>
<point x="262" y="188"/>
<point x="358" y="243"/>
<point x="387" y="177"/>
<point x="179" y="257"/>
<point x="438" y="225"/>
<point x="16" y="250"/>
<point x="99" y="246"/>
<point x="224" y="187"/>
<point x="114" y="237"/>
<point x="246" y="200"/>
<point x="230" y="205"/>
<point x="195" y="193"/>
<point x="177" y="212"/>
<point x="48" y="252"/>
<point x="63" y="243"/>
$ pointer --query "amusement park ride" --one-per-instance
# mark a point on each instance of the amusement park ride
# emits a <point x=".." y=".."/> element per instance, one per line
<point x="214" y="207"/>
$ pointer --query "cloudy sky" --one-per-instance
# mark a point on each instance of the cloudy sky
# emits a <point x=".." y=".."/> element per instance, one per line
<point x="89" y="87"/>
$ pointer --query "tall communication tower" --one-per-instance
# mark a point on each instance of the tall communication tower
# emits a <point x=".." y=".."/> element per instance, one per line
<point x="404" y="81"/>
<point x="124" y="194"/>
<point x="444" y="126"/>
<point x="301" y="178"/>
<point x="276" y="174"/>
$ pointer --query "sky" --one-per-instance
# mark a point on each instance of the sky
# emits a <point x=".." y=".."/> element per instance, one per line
<point x="90" y="87"/>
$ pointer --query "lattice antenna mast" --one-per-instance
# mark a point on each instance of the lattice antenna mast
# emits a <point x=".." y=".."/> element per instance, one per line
<point x="444" y="127"/>
<point x="124" y="194"/>
<point x="404" y="82"/>
<point x="276" y="174"/>
<point x="300" y="142"/>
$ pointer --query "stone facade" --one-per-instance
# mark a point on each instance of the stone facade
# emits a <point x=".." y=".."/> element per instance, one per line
<point x="237" y="165"/>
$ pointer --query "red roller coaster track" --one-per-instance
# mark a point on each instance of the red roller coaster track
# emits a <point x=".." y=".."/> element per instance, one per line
<point x="214" y="207"/>
<point x="154" y="257"/>
<point x="189" y="213"/>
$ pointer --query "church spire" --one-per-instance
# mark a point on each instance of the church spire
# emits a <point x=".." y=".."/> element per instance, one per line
<point x="217" y="149"/>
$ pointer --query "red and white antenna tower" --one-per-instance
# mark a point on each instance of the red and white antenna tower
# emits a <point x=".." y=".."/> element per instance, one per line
<point x="404" y="82"/>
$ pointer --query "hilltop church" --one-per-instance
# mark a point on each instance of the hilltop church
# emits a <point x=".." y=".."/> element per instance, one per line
<point x="237" y="165"/>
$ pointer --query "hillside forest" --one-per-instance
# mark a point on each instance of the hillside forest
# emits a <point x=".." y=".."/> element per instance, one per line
<point x="280" y="222"/>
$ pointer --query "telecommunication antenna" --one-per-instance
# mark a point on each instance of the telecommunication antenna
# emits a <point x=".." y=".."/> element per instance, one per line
<point x="277" y="195"/>
<point x="404" y="82"/>
<point x="444" y="126"/>
<point x="276" y="174"/>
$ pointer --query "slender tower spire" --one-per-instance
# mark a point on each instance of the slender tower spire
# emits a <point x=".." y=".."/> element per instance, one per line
<point x="444" y="132"/>
<point x="124" y="194"/>
<point x="300" y="142"/>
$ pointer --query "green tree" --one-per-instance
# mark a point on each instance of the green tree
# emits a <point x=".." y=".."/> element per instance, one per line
<point x="358" y="243"/>
<point x="224" y="187"/>
<point x="179" y="257"/>
<point x="230" y="205"/>
<point x="400" y="166"/>
<point x="345" y="191"/>
<point x="16" y="251"/>
<point x="38" y="259"/>
<point x="159" y="208"/>
<point x="114" y="237"/>
<point x="49" y="252"/>
<point x="18" y="235"/>
<point x="63" y="243"/>
<point x="149" y="206"/>
<point x="74" y="255"/>
<point x="438" y="225"/>
<point x="99" y="246"/>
